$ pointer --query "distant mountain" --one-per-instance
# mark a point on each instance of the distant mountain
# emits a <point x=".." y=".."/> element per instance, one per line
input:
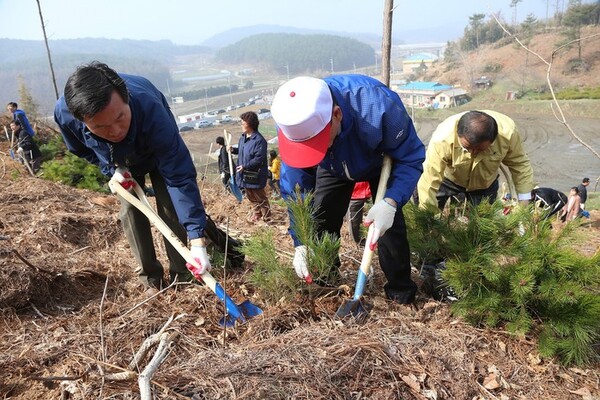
<point x="438" y="34"/>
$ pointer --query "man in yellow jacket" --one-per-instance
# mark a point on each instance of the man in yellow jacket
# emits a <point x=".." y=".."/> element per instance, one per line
<point x="464" y="155"/>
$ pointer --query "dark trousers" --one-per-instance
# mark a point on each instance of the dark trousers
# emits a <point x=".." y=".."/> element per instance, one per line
<point x="332" y="197"/>
<point x="355" y="218"/>
<point x="139" y="235"/>
<point x="225" y="180"/>
<point x="458" y="194"/>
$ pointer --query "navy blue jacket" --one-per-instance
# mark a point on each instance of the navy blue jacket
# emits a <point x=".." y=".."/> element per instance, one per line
<point x="252" y="155"/>
<point x="153" y="141"/>
<point x="19" y="115"/>
<point x="374" y="123"/>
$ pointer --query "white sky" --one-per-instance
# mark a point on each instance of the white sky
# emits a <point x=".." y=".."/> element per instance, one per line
<point x="193" y="21"/>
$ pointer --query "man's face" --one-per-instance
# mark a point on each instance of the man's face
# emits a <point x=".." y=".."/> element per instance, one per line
<point x="14" y="127"/>
<point x="474" y="150"/>
<point x="11" y="108"/>
<point x="111" y="123"/>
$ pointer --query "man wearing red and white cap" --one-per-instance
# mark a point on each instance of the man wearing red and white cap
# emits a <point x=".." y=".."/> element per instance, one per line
<point x="334" y="132"/>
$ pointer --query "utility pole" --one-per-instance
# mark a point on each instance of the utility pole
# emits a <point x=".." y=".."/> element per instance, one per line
<point x="47" y="49"/>
<point x="287" y="68"/>
<point x="205" y="100"/>
<point x="331" y="65"/>
<point x="386" y="46"/>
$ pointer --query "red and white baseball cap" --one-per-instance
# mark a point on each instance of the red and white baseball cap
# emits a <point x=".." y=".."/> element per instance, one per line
<point x="302" y="110"/>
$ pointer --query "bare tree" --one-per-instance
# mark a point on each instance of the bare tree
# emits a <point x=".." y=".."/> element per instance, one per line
<point x="556" y="108"/>
<point x="47" y="49"/>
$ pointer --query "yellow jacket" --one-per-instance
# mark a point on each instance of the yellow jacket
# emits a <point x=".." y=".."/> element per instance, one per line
<point x="446" y="158"/>
<point x="275" y="168"/>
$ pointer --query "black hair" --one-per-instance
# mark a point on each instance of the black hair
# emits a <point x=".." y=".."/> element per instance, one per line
<point x="90" y="87"/>
<point x="576" y="189"/>
<point x="16" y="122"/>
<point x="251" y="119"/>
<point x="13" y="104"/>
<point x="273" y="154"/>
<point x="477" y="127"/>
<point x="220" y="140"/>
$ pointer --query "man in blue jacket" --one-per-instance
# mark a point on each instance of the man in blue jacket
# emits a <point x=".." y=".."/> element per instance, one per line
<point x="123" y="124"/>
<point x="344" y="125"/>
<point x="21" y="117"/>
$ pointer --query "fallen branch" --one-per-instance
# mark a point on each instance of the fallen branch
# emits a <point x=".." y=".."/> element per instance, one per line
<point x="144" y="379"/>
<point x="20" y="257"/>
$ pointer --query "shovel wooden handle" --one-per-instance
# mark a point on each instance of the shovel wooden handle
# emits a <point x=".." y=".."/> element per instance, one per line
<point x="144" y="206"/>
<point x="227" y="137"/>
<point x="365" y="264"/>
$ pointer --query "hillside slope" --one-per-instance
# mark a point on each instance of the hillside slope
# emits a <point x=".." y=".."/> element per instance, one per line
<point x="511" y="65"/>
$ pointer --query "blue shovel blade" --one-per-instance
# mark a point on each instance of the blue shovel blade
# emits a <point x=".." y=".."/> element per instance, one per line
<point x="235" y="189"/>
<point x="247" y="311"/>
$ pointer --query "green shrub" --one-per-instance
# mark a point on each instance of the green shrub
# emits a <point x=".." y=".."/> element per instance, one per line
<point x="74" y="171"/>
<point x="513" y="271"/>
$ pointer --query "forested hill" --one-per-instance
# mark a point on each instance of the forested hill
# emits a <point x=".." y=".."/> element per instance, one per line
<point x="27" y="61"/>
<point x="299" y="53"/>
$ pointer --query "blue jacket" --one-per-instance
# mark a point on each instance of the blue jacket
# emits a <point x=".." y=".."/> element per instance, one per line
<point x="252" y="155"/>
<point x="374" y="123"/>
<point x="153" y="141"/>
<point x="19" y="115"/>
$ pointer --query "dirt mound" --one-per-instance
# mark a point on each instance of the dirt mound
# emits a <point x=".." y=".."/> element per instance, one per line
<point x="76" y="324"/>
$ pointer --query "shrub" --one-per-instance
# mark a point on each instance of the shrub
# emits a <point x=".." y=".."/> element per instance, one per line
<point x="514" y="272"/>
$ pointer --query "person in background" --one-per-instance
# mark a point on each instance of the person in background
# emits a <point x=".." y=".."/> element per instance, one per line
<point x="464" y="156"/>
<point x="335" y="131"/>
<point x="223" y="159"/>
<point x="573" y="208"/>
<point x="360" y="195"/>
<point x="27" y="147"/>
<point x="275" y="170"/>
<point x="252" y="169"/>
<point x="551" y="200"/>
<point x="583" y="191"/>
<point x="124" y="124"/>
<point x="21" y="117"/>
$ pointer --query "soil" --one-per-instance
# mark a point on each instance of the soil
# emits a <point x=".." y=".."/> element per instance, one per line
<point x="74" y="314"/>
<point x="76" y="324"/>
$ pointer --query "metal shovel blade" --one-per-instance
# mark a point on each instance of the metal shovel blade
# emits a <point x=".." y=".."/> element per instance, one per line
<point x="247" y="310"/>
<point x="235" y="189"/>
<point x="355" y="309"/>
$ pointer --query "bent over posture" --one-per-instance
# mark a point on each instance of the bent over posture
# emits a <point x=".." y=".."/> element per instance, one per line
<point x="336" y="131"/>
<point x="123" y="124"/>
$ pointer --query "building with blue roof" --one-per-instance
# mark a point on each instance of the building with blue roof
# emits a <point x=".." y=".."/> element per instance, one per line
<point x="411" y="63"/>
<point x="431" y="94"/>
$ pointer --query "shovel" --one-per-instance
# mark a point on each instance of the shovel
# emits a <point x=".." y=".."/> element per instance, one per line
<point x="12" y="140"/>
<point x="235" y="312"/>
<point x="234" y="187"/>
<point x="355" y="307"/>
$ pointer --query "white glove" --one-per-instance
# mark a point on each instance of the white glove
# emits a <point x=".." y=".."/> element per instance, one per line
<point x="124" y="177"/>
<point x="201" y="256"/>
<point x="381" y="215"/>
<point x="222" y="175"/>
<point x="20" y="150"/>
<point x="300" y="264"/>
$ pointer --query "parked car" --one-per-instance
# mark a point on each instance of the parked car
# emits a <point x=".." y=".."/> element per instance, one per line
<point x="186" y="128"/>
<point x="202" y="124"/>
<point x="263" y="111"/>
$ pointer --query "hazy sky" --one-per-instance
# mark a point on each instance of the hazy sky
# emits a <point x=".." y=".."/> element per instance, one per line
<point x="193" y="21"/>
